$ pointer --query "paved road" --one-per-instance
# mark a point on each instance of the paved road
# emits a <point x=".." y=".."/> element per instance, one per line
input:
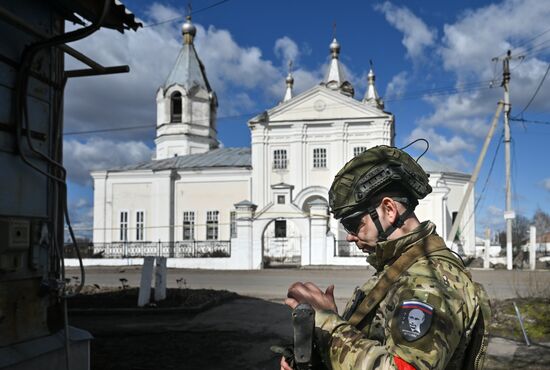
<point x="272" y="284"/>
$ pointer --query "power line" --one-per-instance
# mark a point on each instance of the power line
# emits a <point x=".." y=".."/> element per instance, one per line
<point x="536" y="92"/>
<point x="534" y="48"/>
<point x="530" y="121"/>
<point x="180" y="18"/>
<point x="532" y="39"/>
<point x="107" y="130"/>
<point x="419" y="94"/>
<point x="139" y="127"/>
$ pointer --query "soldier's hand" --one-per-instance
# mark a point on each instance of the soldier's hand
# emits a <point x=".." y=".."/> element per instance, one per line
<point x="284" y="364"/>
<point x="310" y="293"/>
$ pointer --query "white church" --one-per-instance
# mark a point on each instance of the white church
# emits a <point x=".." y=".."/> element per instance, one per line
<point x="205" y="206"/>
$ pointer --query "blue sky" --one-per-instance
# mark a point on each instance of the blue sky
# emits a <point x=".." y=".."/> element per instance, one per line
<point x="420" y="50"/>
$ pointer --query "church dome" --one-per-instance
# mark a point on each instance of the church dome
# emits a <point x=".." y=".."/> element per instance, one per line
<point x="335" y="47"/>
<point x="289" y="79"/>
<point x="188" y="28"/>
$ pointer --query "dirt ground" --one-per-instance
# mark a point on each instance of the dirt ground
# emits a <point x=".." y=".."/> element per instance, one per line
<point x="209" y="329"/>
<point x="174" y="335"/>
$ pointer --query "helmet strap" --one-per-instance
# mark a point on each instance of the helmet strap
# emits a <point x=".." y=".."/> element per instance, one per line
<point x="398" y="223"/>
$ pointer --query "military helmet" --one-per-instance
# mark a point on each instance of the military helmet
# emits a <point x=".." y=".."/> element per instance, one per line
<point x="371" y="172"/>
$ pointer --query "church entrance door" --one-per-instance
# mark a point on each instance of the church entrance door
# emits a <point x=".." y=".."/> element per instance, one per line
<point x="282" y="244"/>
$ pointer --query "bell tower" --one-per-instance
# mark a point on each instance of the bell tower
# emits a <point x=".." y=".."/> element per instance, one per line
<point x="186" y="105"/>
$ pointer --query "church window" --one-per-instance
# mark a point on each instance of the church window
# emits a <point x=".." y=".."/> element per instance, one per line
<point x="280" y="228"/>
<point x="212" y="225"/>
<point x="279" y="159"/>
<point x="358" y="150"/>
<point x="123" y="236"/>
<point x="233" y="224"/>
<point x="280" y="199"/>
<point x="140" y="225"/>
<point x="319" y="158"/>
<point x="175" y="100"/>
<point x="188" y="225"/>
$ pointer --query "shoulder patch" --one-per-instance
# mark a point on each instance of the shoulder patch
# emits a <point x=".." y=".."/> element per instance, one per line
<point x="414" y="319"/>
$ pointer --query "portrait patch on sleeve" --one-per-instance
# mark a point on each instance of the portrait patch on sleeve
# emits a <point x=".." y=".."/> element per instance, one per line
<point x="414" y="319"/>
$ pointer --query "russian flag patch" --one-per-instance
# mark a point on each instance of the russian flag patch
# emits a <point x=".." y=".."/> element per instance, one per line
<point x="415" y="319"/>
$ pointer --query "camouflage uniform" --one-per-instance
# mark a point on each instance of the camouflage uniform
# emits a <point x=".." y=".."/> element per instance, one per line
<point x="436" y="281"/>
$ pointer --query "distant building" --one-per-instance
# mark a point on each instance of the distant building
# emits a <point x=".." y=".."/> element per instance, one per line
<point x="257" y="206"/>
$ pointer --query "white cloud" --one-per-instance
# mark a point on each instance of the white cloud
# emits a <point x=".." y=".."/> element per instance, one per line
<point x="466" y="49"/>
<point x="151" y="53"/>
<point x="397" y="86"/>
<point x="244" y="81"/>
<point x="449" y="151"/>
<point x="81" y="216"/>
<point x="416" y="34"/>
<point x="287" y="50"/>
<point x="100" y="154"/>
<point x="546" y="183"/>
<point x="466" y="113"/>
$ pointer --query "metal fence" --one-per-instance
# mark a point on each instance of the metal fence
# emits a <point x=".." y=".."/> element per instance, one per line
<point x="183" y="249"/>
<point x="343" y="248"/>
<point x="282" y="251"/>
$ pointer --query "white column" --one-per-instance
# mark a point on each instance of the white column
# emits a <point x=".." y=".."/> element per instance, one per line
<point x="161" y="203"/>
<point x="532" y="247"/>
<point x="318" y="236"/>
<point x="242" y="246"/>
<point x="486" y="263"/>
<point x="100" y="203"/>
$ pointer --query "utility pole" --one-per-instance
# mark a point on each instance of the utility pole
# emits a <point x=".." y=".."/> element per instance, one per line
<point x="509" y="214"/>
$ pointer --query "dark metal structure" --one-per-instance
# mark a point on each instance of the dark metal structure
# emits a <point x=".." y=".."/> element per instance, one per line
<point x="34" y="331"/>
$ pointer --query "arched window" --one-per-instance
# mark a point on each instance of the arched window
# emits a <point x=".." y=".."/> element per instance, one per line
<point x="175" y="101"/>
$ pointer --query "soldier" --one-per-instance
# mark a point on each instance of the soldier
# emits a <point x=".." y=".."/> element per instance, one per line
<point x="421" y="309"/>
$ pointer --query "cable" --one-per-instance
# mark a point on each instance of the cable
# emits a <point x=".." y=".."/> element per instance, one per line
<point x="182" y="18"/>
<point x="532" y="39"/>
<point x="417" y="140"/>
<point x="535" y="93"/>
<point x="534" y="48"/>
<point x="530" y="121"/>
<point x="138" y="127"/>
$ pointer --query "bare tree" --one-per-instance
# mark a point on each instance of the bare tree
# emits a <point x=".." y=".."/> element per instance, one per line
<point x="541" y="220"/>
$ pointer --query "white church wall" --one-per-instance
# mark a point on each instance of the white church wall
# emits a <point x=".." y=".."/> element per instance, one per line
<point x="131" y="192"/>
<point x="213" y="190"/>
<point x="132" y="198"/>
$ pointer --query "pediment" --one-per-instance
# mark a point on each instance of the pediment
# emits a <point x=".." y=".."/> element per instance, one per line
<point x="321" y="103"/>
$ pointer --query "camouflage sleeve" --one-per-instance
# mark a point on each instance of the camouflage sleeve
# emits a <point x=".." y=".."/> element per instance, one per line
<point x="437" y="295"/>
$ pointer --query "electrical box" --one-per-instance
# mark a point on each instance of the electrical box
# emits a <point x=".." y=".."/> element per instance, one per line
<point x="15" y="242"/>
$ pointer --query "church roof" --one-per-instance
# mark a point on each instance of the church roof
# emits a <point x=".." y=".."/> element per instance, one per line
<point x="222" y="157"/>
<point x="188" y="70"/>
